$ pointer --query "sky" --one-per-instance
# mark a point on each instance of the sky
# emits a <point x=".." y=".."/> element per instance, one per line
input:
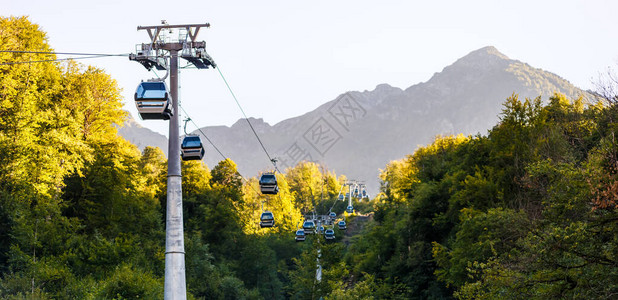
<point x="285" y="58"/>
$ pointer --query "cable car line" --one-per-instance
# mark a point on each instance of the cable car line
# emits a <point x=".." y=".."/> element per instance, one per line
<point x="335" y="202"/>
<point x="214" y="146"/>
<point x="247" y="119"/>
<point x="200" y="130"/>
<point x="267" y="218"/>
<point x="100" y="55"/>
<point x="51" y="60"/>
<point x="147" y="115"/>
<point x="63" y="53"/>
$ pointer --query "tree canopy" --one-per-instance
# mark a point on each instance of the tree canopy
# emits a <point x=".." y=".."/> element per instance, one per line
<point x="529" y="210"/>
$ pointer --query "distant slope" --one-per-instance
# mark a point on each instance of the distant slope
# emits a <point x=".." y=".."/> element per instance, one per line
<point x="360" y="132"/>
<point x="141" y="136"/>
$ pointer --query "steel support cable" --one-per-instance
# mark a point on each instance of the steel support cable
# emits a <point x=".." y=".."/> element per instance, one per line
<point x="224" y="157"/>
<point x="51" y="60"/>
<point x="200" y="130"/>
<point x="335" y="202"/>
<point x="63" y="53"/>
<point x="337" y="199"/>
<point x="99" y="55"/>
<point x="214" y="146"/>
<point x="247" y="119"/>
<point x="340" y="190"/>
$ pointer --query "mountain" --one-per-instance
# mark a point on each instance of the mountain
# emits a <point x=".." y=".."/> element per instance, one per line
<point x="141" y="136"/>
<point x="358" y="133"/>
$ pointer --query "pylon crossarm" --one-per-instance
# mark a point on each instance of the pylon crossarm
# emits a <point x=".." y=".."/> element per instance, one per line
<point x="167" y="26"/>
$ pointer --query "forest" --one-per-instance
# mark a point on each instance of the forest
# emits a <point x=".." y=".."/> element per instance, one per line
<point x="527" y="211"/>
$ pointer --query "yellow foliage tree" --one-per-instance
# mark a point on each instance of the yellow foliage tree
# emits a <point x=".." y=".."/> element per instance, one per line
<point x="287" y="215"/>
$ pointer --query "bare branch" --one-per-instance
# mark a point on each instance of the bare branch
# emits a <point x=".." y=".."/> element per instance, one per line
<point x="607" y="87"/>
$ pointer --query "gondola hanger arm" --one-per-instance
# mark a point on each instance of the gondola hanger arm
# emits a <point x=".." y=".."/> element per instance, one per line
<point x="185" y="126"/>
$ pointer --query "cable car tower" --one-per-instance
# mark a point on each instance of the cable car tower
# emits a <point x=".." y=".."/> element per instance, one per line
<point x="163" y="55"/>
<point x="350" y="194"/>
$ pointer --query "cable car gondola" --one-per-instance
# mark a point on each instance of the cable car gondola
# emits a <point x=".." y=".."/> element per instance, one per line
<point x="300" y="235"/>
<point x="153" y="101"/>
<point x="268" y="184"/>
<point x="309" y="227"/>
<point x="350" y="209"/>
<point x="267" y="219"/>
<point x="192" y="148"/>
<point x="342" y="225"/>
<point x="329" y="234"/>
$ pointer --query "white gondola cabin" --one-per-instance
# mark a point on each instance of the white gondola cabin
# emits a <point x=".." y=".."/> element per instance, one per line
<point x="192" y="148"/>
<point x="309" y="227"/>
<point x="329" y="234"/>
<point x="268" y="184"/>
<point x="267" y="219"/>
<point x="300" y="235"/>
<point x="153" y="101"/>
<point x="341" y="225"/>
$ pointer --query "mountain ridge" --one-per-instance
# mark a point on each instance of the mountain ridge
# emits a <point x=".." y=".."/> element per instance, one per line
<point x="141" y="136"/>
<point x="370" y="128"/>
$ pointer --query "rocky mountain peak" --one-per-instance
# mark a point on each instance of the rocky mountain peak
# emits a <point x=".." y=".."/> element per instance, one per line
<point x="487" y="51"/>
<point x="483" y="59"/>
<point x="481" y="64"/>
<point x="465" y="97"/>
<point x="383" y="87"/>
<point x="378" y="95"/>
<point x="256" y="122"/>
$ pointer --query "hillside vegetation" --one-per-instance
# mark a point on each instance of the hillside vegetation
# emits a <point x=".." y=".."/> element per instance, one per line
<point x="529" y="211"/>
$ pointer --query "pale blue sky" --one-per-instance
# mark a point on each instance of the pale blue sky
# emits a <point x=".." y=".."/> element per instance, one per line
<point x="284" y="58"/>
